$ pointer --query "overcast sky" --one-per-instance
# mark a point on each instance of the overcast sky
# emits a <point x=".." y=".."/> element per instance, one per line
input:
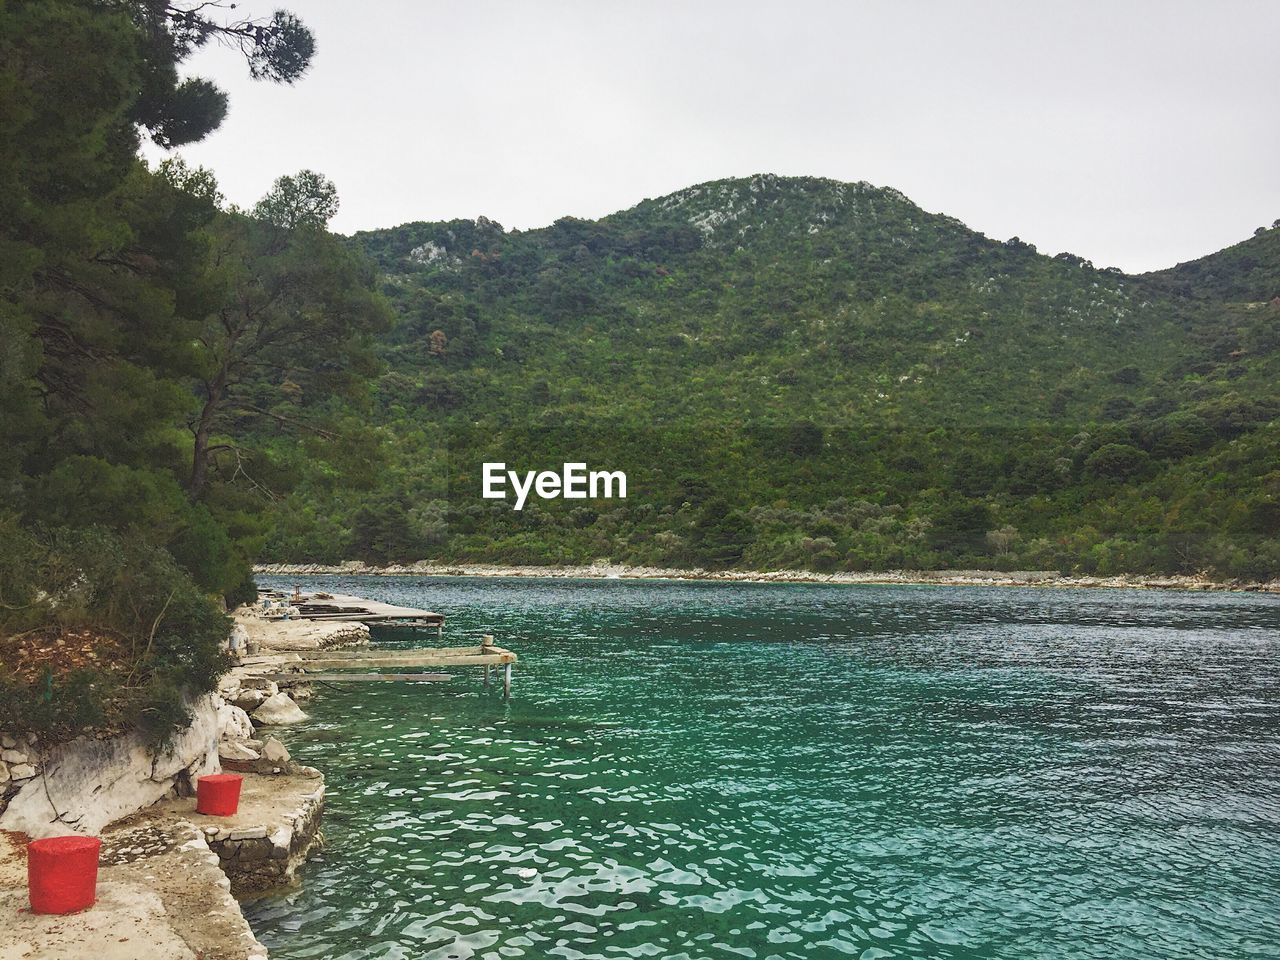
<point x="1134" y="134"/>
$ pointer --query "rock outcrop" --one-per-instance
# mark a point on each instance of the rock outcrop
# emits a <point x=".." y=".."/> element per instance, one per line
<point x="83" y="785"/>
<point x="611" y="571"/>
<point x="277" y="710"/>
<point x="233" y="722"/>
<point x="237" y="751"/>
<point x="161" y="894"/>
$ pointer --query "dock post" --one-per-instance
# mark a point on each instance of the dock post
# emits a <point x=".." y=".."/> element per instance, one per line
<point x="486" y="641"/>
<point x="506" y="682"/>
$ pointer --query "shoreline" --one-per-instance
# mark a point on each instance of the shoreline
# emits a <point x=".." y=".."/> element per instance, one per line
<point x="603" y="571"/>
<point x="165" y="868"/>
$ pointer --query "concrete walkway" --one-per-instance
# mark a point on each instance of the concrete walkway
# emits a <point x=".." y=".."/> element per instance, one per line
<point x="161" y="895"/>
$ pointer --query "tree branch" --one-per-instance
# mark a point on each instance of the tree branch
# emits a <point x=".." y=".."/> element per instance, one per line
<point x="309" y="428"/>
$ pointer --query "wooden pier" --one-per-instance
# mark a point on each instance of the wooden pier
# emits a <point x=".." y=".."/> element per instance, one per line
<point x="339" y="666"/>
<point x="329" y="607"/>
<point x="486" y="656"/>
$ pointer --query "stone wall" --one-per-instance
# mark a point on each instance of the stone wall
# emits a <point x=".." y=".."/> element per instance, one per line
<point x="259" y="858"/>
<point x="19" y="764"/>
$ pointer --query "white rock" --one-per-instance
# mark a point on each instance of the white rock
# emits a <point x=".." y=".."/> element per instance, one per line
<point x="233" y="723"/>
<point x="13" y="756"/>
<point x="7" y="742"/>
<point x="270" y="687"/>
<point x="248" y="699"/>
<point x="238" y="639"/>
<point x="281" y="837"/>
<point x="273" y="750"/>
<point x="22" y="771"/>
<point x="236" y="750"/>
<point x="95" y="782"/>
<point x="279" y="709"/>
<point x="4" y="772"/>
<point x="249" y="833"/>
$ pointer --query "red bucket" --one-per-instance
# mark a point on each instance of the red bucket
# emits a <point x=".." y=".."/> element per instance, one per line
<point x="62" y="873"/>
<point x="218" y="794"/>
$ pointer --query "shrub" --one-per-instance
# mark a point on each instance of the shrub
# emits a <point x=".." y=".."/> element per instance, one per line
<point x="1116" y="461"/>
<point x="101" y="632"/>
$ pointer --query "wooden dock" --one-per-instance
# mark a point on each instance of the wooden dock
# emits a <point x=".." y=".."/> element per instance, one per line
<point x="339" y="607"/>
<point x="338" y="666"/>
<point x="362" y="677"/>
<point x="330" y="666"/>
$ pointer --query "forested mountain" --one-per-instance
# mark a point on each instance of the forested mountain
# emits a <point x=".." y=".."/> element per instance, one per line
<point x="797" y="372"/>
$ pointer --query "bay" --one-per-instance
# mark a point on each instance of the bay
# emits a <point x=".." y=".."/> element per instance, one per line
<point x="698" y="770"/>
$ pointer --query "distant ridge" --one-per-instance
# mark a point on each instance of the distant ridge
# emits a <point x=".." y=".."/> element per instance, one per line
<point x="803" y="373"/>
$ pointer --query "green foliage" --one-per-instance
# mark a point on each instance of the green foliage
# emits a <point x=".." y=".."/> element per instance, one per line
<point x="793" y="373"/>
<point x="778" y="348"/>
<point x="960" y="526"/>
<point x="720" y="535"/>
<point x="292" y="311"/>
<point x="306" y="201"/>
<point x="148" y="338"/>
<point x="159" y="637"/>
<point x="1116" y="461"/>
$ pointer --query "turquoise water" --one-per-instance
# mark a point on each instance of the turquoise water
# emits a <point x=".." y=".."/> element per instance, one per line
<point x="703" y="770"/>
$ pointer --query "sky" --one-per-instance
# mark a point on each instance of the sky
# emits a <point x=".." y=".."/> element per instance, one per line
<point x="1135" y="134"/>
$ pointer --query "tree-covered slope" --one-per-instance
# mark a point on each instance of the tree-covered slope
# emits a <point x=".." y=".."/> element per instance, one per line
<point x="1247" y="272"/>
<point x="144" y="329"/>
<point x="801" y="372"/>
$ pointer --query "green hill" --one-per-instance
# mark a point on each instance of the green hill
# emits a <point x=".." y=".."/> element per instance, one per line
<point x="1247" y="272"/>
<point x="797" y="372"/>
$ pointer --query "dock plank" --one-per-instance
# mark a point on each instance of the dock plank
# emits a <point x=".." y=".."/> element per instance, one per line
<point x="495" y="658"/>
<point x="347" y="677"/>
<point x="384" y="652"/>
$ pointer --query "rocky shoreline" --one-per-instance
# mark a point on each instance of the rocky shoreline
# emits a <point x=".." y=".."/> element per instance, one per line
<point x="169" y="876"/>
<point x="606" y="571"/>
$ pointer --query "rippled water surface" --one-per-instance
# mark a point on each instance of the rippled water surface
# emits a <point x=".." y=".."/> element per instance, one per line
<point x="704" y="770"/>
